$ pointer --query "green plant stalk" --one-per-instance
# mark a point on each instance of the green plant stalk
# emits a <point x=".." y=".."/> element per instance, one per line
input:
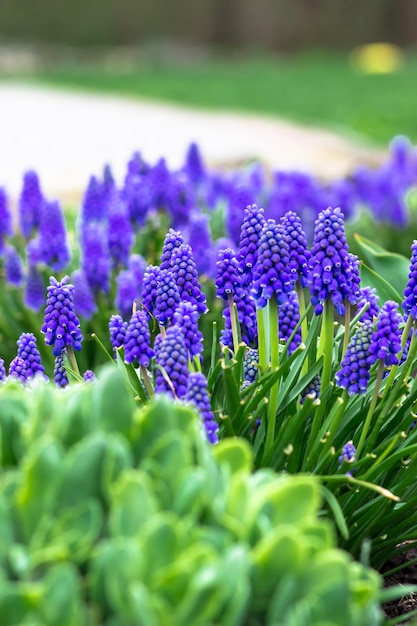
<point x="233" y="323"/>
<point x="304" y="322"/>
<point x="336" y="415"/>
<point x="146" y="381"/>
<point x="273" y="394"/>
<point x="326" y="344"/>
<point x="325" y="350"/>
<point x="384" y="455"/>
<point x="406" y="373"/>
<point x="394" y="368"/>
<point x="344" y="478"/>
<point x="72" y="359"/>
<point x="262" y="345"/>
<point x="347" y="327"/>
<point x="371" y="409"/>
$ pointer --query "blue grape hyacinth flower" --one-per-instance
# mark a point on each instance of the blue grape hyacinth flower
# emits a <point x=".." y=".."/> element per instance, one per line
<point x="250" y="232"/>
<point x="354" y="374"/>
<point x="117" y="331"/>
<point x="61" y="326"/>
<point x="186" y="317"/>
<point x="184" y="272"/>
<point x="333" y="271"/>
<point x="299" y="252"/>
<point x="167" y="298"/>
<point x="385" y="342"/>
<point x="27" y="350"/>
<point x="171" y="355"/>
<point x="272" y="277"/>
<point x="137" y="343"/>
<point x="197" y="394"/>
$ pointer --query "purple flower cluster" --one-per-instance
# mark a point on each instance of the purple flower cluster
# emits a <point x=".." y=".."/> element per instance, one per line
<point x="250" y="365"/>
<point x="27" y="350"/>
<point x="410" y="293"/>
<point x="312" y="389"/>
<point x="348" y="454"/>
<point x="171" y="356"/>
<point x="298" y="247"/>
<point x="184" y="272"/>
<point x="60" y="374"/>
<point x="354" y="369"/>
<point x="117" y="330"/>
<point x="197" y="395"/>
<point x="61" y="326"/>
<point x="250" y="232"/>
<point x="228" y="277"/>
<point x="333" y="272"/>
<point x="50" y="246"/>
<point x="385" y="342"/>
<point x="137" y="341"/>
<point x="30" y="204"/>
<point x="272" y="276"/>
<point x="288" y="318"/>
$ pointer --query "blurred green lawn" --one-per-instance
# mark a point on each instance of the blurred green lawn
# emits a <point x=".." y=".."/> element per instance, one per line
<point x="319" y="89"/>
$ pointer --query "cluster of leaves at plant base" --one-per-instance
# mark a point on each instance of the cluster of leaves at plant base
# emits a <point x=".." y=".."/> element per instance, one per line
<point x="373" y="496"/>
<point x="115" y="515"/>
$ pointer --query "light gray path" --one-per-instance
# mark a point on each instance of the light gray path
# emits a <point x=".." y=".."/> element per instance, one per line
<point x="66" y="136"/>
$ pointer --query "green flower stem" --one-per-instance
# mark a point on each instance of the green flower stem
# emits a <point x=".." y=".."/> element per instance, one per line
<point x="325" y="350"/>
<point x="326" y="344"/>
<point x="304" y="322"/>
<point x="383" y="455"/>
<point x="401" y="381"/>
<point x="359" y="483"/>
<point x="394" y="368"/>
<point x="262" y="345"/>
<point x="147" y="382"/>
<point x="371" y="409"/>
<point x="73" y="360"/>
<point x="273" y="395"/>
<point x="347" y="327"/>
<point x="233" y="323"/>
<point x="327" y="438"/>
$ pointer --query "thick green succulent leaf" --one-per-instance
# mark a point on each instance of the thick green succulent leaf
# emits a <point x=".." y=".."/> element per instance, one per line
<point x="112" y="401"/>
<point x="62" y="605"/>
<point x="235" y="453"/>
<point x="40" y="473"/>
<point x="132" y="504"/>
<point x="13" y="413"/>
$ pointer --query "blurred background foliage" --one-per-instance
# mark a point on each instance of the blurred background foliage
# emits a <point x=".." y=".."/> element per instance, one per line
<point x="292" y="58"/>
<point x="279" y="25"/>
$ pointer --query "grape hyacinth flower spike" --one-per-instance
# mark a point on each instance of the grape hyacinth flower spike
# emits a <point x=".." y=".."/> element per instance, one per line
<point x="2" y="371"/>
<point x="197" y="395"/>
<point x="384" y="348"/>
<point x="184" y="272"/>
<point x="167" y="298"/>
<point x="333" y="279"/>
<point x="28" y="351"/>
<point x="60" y="373"/>
<point x="61" y="326"/>
<point x="272" y="282"/>
<point x="354" y="372"/>
<point x="171" y="356"/>
<point x="228" y="286"/>
<point x="117" y="330"/>
<point x="186" y="317"/>
<point x="137" y="346"/>
<point x="250" y="232"/>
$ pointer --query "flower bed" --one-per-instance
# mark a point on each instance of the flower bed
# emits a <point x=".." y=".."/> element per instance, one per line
<point x="299" y="348"/>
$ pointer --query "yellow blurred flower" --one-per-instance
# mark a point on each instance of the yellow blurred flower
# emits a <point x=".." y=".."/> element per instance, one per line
<point x="377" y="58"/>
